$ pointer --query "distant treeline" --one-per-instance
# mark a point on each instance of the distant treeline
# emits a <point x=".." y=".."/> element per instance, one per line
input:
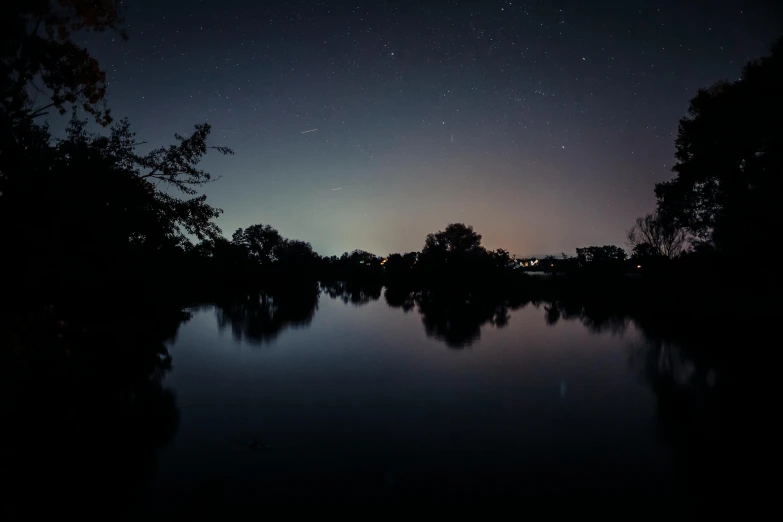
<point x="259" y="255"/>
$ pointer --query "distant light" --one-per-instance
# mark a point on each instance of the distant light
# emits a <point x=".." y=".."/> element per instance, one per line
<point x="638" y="266"/>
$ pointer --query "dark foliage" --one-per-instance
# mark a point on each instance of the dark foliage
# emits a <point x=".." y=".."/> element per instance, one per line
<point x="261" y="242"/>
<point x="602" y="254"/>
<point x="457" y="240"/>
<point x="729" y="160"/>
<point x="42" y="69"/>
<point x="353" y="292"/>
<point x="259" y="318"/>
<point x="655" y="236"/>
<point x="84" y="409"/>
<point x="401" y="265"/>
<point x="88" y="211"/>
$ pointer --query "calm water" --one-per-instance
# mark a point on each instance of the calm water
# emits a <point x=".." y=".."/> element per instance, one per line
<point x="348" y="397"/>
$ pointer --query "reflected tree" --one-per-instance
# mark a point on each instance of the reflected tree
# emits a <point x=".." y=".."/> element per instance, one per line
<point x="595" y="315"/>
<point x="552" y="314"/>
<point x="452" y="316"/>
<point x="260" y="318"/>
<point x="693" y="415"/>
<point x="400" y="297"/>
<point x="85" y="410"/>
<point x="353" y="292"/>
<point x="457" y="320"/>
<point x="704" y="391"/>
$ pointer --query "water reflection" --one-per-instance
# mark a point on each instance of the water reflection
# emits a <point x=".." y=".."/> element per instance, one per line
<point x="701" y="386"/>
<point x="455" y="318"/>
<point x="260" y="317"/>
<point x="678" y="359"/>
<point x="352" y="292"/>
<point x="684" y="384"/>
<point x="358" y="393"/>
<point x="91" y="402"/>
<point x="596" y="316"/>
<point x="84" y="412"/>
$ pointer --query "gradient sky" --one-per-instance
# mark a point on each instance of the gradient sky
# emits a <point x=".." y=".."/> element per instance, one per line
<point x="545" y="125"/>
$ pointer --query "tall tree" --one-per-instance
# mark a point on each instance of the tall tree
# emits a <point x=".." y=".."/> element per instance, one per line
<point x="294" y="254"/>
<point x="261" y="241"/>
<point x="729" y="160"/>
<point x="664" y="239"/>
<point x="458" y="239"/>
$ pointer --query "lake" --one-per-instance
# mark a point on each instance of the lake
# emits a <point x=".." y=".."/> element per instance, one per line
<point x="350" y="398"/>
<point x="351" y="394"/>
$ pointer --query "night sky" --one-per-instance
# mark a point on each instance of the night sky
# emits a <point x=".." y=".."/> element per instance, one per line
<point x="545" y="125"/>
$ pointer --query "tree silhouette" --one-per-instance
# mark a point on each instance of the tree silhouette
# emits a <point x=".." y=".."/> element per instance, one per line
<point x="660" y="237"/>
<point x="41" y="68"/>
<point x="645" y="251"/>
<point x="356" y="265"/>
<point x="360" y="257"/>
<point x="729" y="158"/>
<point x="598" y="255"/>
<point x="101" y="182"/>
<point x="295" y="255"/>
<point x="84" y="206"/>
<point x="400" y="264"/>
<point x="85" y="210"/>
<point x="458" y="239"/>
<point x="261" y="241"/>
<point x="500" y="258"/>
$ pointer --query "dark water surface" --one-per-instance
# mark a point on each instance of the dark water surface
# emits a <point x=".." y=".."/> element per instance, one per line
<point x="352" y="395"/>
<point x="360" y="400"/>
